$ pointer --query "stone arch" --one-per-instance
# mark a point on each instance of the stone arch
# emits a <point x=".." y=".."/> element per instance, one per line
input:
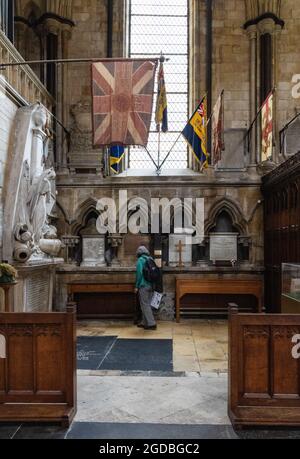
<point x="233" y="210"/>
<point x="82" y="215"/>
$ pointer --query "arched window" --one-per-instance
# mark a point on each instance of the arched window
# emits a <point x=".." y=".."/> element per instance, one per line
<point x="157" y="26"/>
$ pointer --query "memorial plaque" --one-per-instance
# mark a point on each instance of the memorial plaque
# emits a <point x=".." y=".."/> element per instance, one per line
<point x="223" y="247"/>
<point x="37" y="293"/>
<point x="93" y="251"/>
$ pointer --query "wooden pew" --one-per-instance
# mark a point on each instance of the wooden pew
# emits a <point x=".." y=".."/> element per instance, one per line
<point x="218" y="286"/>
<point x="264" y="373"/>
<point x="38" y="371"/>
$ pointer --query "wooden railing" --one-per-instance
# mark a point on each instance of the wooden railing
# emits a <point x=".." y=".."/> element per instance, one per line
<point x="22" y="79"/>
<point x="38" y="367"/>
<point x="264" y="369"/>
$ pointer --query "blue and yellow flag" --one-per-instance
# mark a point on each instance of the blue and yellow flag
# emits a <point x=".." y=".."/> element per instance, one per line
<point x="117" y="153"/>
<point x="195" y="133"/>
<point x="161" y="116"/>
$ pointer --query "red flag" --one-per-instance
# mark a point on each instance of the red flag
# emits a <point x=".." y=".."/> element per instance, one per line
<point x="122" y="101"/>
<point x="267" y="128"/>
<point x="218" y="129"/>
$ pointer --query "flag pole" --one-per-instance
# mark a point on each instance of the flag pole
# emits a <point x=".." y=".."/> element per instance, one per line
<point x="159" y="145"/>
<point x="170" y="151"/>
<point x="149" y="154"/>
<point x="162" y="59"/>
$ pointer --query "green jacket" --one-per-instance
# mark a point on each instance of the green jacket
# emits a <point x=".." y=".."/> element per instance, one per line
<point x="140" y="279"/>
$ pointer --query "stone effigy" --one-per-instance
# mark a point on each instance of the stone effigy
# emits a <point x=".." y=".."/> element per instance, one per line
<point x="31" y="193"/>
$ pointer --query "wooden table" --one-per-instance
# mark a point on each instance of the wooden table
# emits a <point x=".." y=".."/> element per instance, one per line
<point x="218" y="286"/>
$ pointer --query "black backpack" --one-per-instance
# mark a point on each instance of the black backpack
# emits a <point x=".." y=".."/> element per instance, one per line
<point x="151" y="271"/>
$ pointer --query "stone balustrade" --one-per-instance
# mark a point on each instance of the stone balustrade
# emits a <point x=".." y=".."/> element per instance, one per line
<point x="22" y="79"/>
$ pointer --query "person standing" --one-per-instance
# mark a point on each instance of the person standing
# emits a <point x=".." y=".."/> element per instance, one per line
<point x="145" y="290"/>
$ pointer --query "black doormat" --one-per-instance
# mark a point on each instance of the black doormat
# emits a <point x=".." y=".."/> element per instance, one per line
<point x="91" y="351"/>
<point x="140" y="355"/>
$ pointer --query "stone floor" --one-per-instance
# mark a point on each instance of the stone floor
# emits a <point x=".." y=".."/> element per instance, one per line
<point x="198" y="345"/>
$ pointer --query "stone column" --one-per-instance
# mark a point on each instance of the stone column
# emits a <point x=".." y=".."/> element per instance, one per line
<point x="252" y="34"/>
<point x="268" y="26"/>
<point x="278" y="156"/>
<point x="63" y="33"/>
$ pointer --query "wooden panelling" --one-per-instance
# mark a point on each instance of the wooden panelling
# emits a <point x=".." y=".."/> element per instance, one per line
<point x="264" y="377"/>
<point x="103" y="300"/>
<point x="38" y="375"/>
<point x="281" y="190"/>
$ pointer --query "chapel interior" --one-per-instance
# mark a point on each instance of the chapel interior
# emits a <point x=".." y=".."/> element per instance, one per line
<point x="52" y="176"/>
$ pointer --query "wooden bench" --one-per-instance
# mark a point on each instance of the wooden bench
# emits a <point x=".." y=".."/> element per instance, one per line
<point x="218" y="286"/>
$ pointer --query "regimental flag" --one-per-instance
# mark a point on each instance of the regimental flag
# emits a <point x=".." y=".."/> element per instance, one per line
<point x="117" y="153"/>
<point x="161" y="115"/>
<point x="218" y="129"/>
<point x="195" y="133"/>
<point x="267" y="128"/>
<point x="122" y="101"/>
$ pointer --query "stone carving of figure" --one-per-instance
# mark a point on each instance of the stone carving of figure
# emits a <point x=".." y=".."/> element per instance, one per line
<point x="40" y="198"/>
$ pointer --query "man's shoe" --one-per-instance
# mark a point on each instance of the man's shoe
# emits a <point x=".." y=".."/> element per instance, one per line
<point x="140" y="326"/>
<point x="154" y="327"/>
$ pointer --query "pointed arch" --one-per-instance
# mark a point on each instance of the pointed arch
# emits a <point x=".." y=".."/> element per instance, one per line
<point x="233" y="210"/>
<point x="82" y="215"/>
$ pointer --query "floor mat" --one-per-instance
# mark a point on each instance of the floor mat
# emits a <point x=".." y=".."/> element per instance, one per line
<point x="91" y="351"/>
<point x="82" y="430"/>
<point x="140" y="355"/>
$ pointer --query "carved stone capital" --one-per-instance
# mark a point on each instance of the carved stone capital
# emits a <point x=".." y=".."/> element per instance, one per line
<point x="267" y="26"/>
<point x="252" y="32"/>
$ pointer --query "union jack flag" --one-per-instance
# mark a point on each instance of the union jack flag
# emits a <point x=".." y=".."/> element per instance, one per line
<point x="122" y="101"/>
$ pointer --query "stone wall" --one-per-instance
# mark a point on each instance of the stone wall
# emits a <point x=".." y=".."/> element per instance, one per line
<point x="8" y="110"/>
<point x="7" y="113"/>
<point x="231" y="61"/>
<point x="288" y="62"/>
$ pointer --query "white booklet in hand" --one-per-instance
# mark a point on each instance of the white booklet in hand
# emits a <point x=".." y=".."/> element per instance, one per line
<point x="156" y="300"/>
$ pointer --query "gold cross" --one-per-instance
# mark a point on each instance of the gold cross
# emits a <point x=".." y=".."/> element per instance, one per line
<point x="179" y="248"/>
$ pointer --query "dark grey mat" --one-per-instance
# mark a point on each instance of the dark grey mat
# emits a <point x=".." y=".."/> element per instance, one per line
<point x="91" y="350"/>
<point x="8" y="431"/>
<point x="86" y="430"/>
<point x="140" y="355"/>
<point x="40" y="432"/>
